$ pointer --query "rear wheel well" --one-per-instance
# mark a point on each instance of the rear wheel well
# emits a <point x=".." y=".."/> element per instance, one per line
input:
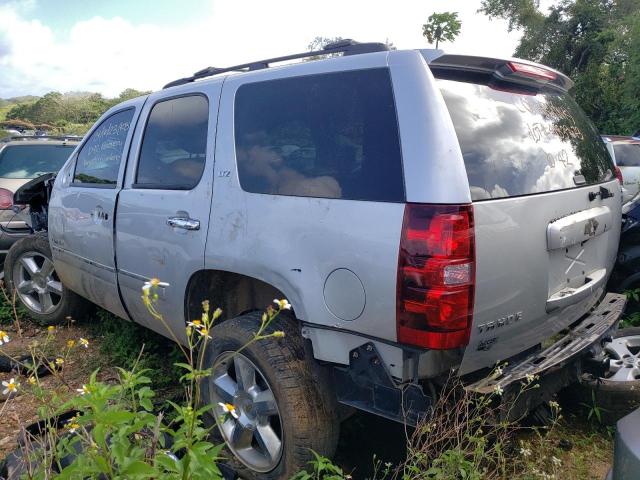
<point x="234" y="293"/>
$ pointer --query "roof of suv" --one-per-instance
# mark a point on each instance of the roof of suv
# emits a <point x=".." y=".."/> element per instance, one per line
<point x="512" y="69"/>
<point x="620" y="139"/>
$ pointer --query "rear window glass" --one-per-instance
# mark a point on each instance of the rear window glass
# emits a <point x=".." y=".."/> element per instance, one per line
<point x="627" y="154"/>
<point x="329" y="135"/>
<point x="31" y="161"/>
<point x="523" y="142"/>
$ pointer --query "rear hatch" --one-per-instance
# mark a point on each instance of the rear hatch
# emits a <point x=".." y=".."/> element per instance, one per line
<point x="546" y="206"/>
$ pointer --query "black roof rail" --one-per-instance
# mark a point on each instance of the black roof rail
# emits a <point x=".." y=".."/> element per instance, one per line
<point x="346" y="47"/>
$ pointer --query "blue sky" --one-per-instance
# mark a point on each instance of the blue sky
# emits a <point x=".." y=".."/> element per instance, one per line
<point x="61" y="15"/>
<point x="107" y="46"/>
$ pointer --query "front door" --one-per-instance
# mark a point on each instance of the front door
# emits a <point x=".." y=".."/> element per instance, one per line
<point x="83" y="207"/>
<point x="163" y="209"/>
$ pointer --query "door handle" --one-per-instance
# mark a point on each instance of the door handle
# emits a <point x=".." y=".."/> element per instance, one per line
<point x="186" y="223"/>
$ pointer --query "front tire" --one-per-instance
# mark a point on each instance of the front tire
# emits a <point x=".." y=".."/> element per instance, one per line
<point x="30" y="273"/>
<point x="281" y="397"/>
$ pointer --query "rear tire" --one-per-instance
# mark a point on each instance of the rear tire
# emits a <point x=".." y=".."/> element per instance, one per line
<point x="29" y="272"/>
<point x="304" y="418"/>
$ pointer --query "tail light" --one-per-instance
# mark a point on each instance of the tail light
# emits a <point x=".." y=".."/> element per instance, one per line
<point x="6" y="199"/>
<point x="618" y="173"/>
<point x="436" y="276"/>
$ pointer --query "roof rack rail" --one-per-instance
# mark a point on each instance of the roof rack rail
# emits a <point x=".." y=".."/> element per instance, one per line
<point x="346" y="47"/>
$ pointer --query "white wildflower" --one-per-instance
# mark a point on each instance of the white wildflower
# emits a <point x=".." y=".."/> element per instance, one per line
<point x="228" y="408"/>
<point x="282" y="304"/>
<point x="10" y="387"/>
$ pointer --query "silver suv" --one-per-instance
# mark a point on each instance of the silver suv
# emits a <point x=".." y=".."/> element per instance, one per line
<point x="422" y="212"/>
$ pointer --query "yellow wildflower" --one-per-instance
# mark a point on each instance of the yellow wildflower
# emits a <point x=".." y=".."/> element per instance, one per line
<point x="71" y="343"/>
<point x="84" y="342"/>
<point x="4" y="338"/>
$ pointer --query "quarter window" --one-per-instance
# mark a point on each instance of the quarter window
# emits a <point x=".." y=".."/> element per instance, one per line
<point x="101" y="155"/>
<point x="331" y="135"/>
<point x="174" y="147"/>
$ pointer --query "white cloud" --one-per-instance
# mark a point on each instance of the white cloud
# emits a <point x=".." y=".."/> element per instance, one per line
<point x="109" y="54"/>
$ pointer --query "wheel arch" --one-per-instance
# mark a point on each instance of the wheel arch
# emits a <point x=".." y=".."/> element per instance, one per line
<point x="235" y="293"/>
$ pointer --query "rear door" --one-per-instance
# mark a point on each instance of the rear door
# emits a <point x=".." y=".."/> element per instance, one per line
<point x="164" y="207"/>
<point x="82" y="209"/>
<point x="546" y="206"/>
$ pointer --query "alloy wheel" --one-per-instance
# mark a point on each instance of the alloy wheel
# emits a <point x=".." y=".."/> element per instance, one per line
<point x="624" y="359"/>
<point x="254" y="431"/>
<point x="36" y="282"/>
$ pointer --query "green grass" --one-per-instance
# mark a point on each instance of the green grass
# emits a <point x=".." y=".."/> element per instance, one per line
<point x="121" y="341"/>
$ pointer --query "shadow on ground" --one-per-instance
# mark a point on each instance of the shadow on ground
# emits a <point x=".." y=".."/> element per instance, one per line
<point x="364" y="435"/>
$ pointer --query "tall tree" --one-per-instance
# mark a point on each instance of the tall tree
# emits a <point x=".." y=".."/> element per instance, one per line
<point x="442" y="27"/>
<point x="595" y="42"/>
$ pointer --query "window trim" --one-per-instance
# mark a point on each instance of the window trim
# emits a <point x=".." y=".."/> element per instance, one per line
<point x="175" y="187"/>
<point x="108" y="186"/>
<point x="315" y="74"/>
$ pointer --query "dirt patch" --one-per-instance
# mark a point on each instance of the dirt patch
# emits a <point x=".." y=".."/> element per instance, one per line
<point x="79" y="363"/>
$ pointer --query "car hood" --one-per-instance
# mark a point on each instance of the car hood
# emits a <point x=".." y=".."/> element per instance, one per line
<point x="13" y="184"/>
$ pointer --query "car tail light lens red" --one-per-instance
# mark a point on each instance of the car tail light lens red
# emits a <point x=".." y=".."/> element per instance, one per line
<point x="618" y="173"/>
<point x="436" y="276"/>
<point x="6" y="199"/>
<point x="532" y="71"/>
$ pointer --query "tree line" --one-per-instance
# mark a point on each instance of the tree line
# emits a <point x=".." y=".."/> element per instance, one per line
<point x="62" y="113"/>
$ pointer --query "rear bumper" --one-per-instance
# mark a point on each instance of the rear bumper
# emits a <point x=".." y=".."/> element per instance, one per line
<point x="561" y="363"/>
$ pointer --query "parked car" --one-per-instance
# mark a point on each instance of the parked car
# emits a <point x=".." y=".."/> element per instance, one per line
<point x="23" y="158"/>
<point x="422" y="212"/>
<point x="626" y="457"/>
<point x="625" y="152"/>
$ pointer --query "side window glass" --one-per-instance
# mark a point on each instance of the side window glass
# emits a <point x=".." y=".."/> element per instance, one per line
<point x="330" y="135"/>
<point x="174" y="146"/>
<point x="627" y="154"/>
<point x="99" y="160"/>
